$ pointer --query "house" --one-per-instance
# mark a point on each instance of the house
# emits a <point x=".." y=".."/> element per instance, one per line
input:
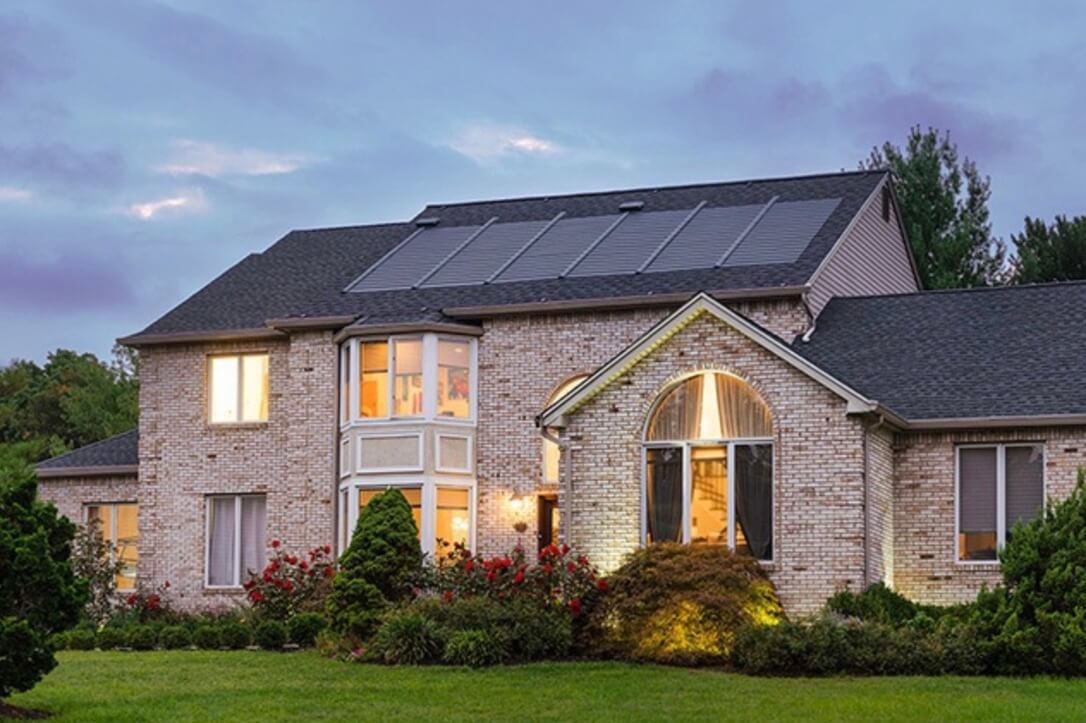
<point x="749" y="363"/>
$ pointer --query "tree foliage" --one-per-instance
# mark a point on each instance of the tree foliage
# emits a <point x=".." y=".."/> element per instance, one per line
<point x="1055" y="252"/>
<point x="39" y="592"/>
<point x="944" y="208"/>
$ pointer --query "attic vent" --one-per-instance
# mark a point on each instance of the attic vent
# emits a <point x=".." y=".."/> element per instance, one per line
<point x="627" y="206"/>
<point x="428" y="221"/>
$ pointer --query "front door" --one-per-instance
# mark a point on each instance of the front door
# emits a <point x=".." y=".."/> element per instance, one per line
<point x="548" y="520"/>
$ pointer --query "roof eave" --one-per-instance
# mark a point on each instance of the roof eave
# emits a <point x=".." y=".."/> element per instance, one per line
<point x="192" y="337"/>
<point x="114" y="470"/>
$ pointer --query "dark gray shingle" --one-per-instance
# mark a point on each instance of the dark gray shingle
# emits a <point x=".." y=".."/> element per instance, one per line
<point x="120" y="450"/>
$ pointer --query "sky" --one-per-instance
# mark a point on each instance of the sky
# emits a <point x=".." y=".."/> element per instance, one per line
<point x="145" y="147"/>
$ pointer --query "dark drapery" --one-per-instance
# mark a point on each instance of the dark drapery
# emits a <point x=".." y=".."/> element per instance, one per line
<point x="664" y="487"/>
<point x="754" y="497"/>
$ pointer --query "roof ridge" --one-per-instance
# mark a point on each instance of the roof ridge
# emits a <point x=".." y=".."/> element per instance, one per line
<point x="963" y="290"/>
<point x="344" y="227"/>
<point x="653" y="189"/>
<point x="134" y="430"/>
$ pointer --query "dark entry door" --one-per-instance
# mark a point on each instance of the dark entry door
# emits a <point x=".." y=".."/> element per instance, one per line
<point x="548" y="520"/>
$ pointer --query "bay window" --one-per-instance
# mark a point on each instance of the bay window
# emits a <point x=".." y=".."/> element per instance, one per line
<point x="118" y="525"/>
<point x="373" y="379"/>
<point x="997" y="487"/>
<point x="238" y="388"/>
<point x="453" y="379"/>
<point x="407" y="375"/>
<point x="443" y="510"/>
<point x="236" y="529"/>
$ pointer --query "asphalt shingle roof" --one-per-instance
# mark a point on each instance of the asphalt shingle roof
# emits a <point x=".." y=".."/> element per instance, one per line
<point x="305" y="273"/>
<point x="1009" y="351"/>
<point x="120" y="450"/>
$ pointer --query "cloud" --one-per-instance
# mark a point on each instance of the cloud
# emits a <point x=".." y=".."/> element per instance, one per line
<point x="209" y="159"/>
<point x="483" y="143"/>
<point x="59" y="165"/>
<point x="189" y="200"/>
<point x="69" y="283"/>
<point x="11" y="194"/>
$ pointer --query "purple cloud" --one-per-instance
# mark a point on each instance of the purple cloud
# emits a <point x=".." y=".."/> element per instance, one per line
<point x="59" y="165"/>
<point x="69" y="283"/>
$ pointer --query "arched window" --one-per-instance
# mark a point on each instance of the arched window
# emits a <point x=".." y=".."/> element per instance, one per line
<point x="552" y="455"/>
<point x="709" y="466"/>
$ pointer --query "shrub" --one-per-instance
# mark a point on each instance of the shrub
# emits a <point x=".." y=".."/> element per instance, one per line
<point x="81" y="638"/>
<point x="59" y="641"/>
<point x="145" y="605"/>
<point x="270" y="635"/>
<point x="476" y="649"/>
<point x="407" y="637"/>
<point x="175" y="637"/>
<point x="39" y="592"/>
<point x="234" y="635"/>
<point x="379" y="566"/>
<point x="303" y="628"/>
<point x="110" y="638"/>
<point x="207" y="636"/>
<point x="291" y="584"/>
<point x="877" y="603"/>
<point x="93" y="560"/>
<point x="142" y="637"/>
<point x="538" y="632"/>
<point x="681" y="604"/>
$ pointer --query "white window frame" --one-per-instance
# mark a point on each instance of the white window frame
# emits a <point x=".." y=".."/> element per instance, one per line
<point x="345" y="459"/>
<point x="240" y="402"/>
<point x="554" y="397"/>
<point x="419" y="451"/>
<point x="428" y="485"/>
<point x="112" y="539"/>
<point x="237" y="537"/>
<point x="686" y="446"/>
<point x="439" y="464"/>
<point x="1001" y="493"/>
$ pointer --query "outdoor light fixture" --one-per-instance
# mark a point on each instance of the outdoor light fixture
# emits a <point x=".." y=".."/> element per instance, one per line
<point x="518" y="505"/>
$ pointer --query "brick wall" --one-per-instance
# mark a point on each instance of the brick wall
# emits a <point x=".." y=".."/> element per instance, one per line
<point x="880" y="471"/>
<point x="925" y="549"/>
<point x="70" y="494"/>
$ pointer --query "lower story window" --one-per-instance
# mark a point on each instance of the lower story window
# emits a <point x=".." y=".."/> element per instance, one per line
<point x="236" y="528"/>
<point x="442" y="511"/>
<point x="718" y="493"/>
<point x="118" y="525"/>
<point x="998" y="487"/>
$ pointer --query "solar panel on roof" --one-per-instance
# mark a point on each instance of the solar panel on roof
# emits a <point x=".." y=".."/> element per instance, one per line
<point x="550" y="256"/>
<point x="630" y="243"/>
<point x="411" y="261"/>
<point x="781" y="236"/>
<point x="705" y="238"/>
<point x="482" y="257"/>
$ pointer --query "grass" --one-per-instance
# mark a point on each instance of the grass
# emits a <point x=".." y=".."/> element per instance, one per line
<point x="184" y="685"/>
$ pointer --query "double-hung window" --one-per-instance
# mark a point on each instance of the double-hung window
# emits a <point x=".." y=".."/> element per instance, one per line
<point x="238" y="388"/>
<point x="118" y="525"/>
<point x="235" y="538"/>
<point x="997" y="487"/>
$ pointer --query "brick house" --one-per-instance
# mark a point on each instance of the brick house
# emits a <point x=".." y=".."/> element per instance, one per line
<point x="748" y="363"/>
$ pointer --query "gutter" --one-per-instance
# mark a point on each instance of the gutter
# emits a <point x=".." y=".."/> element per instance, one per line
<point x="115" y="470"/>
<point x="567" y="464"/>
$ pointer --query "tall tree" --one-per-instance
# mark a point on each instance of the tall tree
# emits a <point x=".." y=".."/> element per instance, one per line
<point x="944" y="207"/>
<point x="1055" y="252"/>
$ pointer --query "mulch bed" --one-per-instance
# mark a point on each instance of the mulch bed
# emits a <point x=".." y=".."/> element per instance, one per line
<point x="14" y="712"/>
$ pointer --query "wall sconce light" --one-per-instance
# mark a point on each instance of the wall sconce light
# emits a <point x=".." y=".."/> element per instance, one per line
<point x="518" y="505"/>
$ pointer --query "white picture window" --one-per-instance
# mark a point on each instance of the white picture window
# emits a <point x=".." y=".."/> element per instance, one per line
<point x="998" y="486"/>
<point x="238" y="388"/>
<point x="443" y="511"/>
<point x="236" y="529"/>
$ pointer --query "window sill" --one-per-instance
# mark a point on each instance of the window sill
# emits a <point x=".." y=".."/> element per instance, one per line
<point x="977" y="565"/>
<point x="222" y="589"/>
<point x="226" y="426"/>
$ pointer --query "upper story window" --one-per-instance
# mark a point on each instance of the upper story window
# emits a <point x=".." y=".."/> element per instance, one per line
<point x="238" y="388"/>
<point x="408" y="377"/>
<point x="998" y="486"/>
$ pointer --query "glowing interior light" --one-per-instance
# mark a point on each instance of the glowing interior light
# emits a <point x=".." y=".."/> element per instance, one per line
<point x="710" y="412"/>
<point x="460" y="524"/>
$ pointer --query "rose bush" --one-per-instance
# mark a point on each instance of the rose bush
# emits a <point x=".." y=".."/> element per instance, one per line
<point x="290" y="584"/>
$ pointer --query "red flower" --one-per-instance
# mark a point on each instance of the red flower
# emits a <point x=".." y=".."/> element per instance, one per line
<point x="548" y="568"/>
<point x="570" y="566"/>
<point x="565" y="549"/>
<point x="328" y="549"/>
<point x="292" y="559"/>
<point x="328" y="572"/>
<point x="304" y="565"/>
<point x="131" y="599"/>
<point x="256" y="596"/>
<point x="602" y="585"/>
<point x="275" y="544"/>
<point x="447" y="596"/>
<point x="519" y="577"/>
<point x="248" y="584"/>
<point x="491" y="576"/>
<point x="469" y="566"/>
<point x="575" y="607"/>
<point x="288" y="585"/>
<point x="166" y="585"/>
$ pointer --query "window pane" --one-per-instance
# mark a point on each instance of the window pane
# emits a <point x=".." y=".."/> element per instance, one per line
<point x="103" y="514"/>
<point x="407" y="389"/>
<point x="709" y="495"/>
<point x="224" y="389"/>
<point x="664" y="495"/>
<point x="453" y="518"/>
<point x="345" y="383"/>
<point x="255" y="391"/>
<point x="221" y="546"/>
<point x="373" y="387"/>
<point x="977" y="504"/>
<point x="710" y="406"/>
<point x="754" y="500"/>
<point x="453" y="379"/>
<point x="253" y="525"/>
<point x="343" y="521"/>
<point x="1025" y="484"/>
<point x="552" y="453"/>
<point x="413" y="495"/>
<point x="127" y="545"/>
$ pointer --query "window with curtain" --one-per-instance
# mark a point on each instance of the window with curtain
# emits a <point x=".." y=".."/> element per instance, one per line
<point x="709" y="466"/>
<point x="990" y="478"/>
<point x="453" y="378"/>
<point x="407" y="377"/>
<point x="236" y="529"/>
<point x="552" y="453"/>
<point x="238" y="388"/>
<point x="118" y="525"/>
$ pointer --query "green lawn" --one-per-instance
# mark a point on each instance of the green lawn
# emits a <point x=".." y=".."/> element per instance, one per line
<point x="179" y="686"/>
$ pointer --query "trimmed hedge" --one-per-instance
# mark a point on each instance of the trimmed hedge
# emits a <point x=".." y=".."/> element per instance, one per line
<point x="271" y="635"/>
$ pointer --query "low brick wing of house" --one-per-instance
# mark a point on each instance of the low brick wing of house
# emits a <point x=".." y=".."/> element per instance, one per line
<point x="750" y="364"/>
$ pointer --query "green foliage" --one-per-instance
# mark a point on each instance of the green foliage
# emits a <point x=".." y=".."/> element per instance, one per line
<point x="680" y="604"/>
<point x="175" y="637"/>
<point x="93" y="561"/>
<point x="880" y="604"/>
<point x="944" y="208"/>
<point x="303" y="628"/>
<point x="379" y="566"/>
<point x="207" y="636"/>
<point x="407" y="637"/>
<point x="39" y="593"/>
<point x="82" y="638"/>
<point x="532" y="631"/>
<point x="142" y="637"/>
<point x="270" y="635"/>
<point x="110" y="638"/>
<point x="1055" y="252"/>
<point x="235" y="635"/>
<point x="476" y="649"/>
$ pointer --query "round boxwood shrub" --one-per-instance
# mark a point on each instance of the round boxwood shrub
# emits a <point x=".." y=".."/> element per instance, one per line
<point x="303" y="628"/>
<point x="207" y="637"/>
<point x="175" y="637"/>
<point x="476" y="649"/>
<point x="142" y="637"/>
<point x="81" y="639"/>
<point x="234" y="635"/>
<point x="680" y="604"/>
<point x="110" y="638"/>
<point x="271" y="635"/>
<point x="59" y="641"/>
<point x="407" y="637"/>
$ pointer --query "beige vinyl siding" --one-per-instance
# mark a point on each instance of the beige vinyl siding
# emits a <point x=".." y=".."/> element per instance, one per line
<point x="872" y="259"/>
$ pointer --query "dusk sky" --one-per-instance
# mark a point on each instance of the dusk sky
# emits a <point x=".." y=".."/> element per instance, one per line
<point x="146" y="147"/>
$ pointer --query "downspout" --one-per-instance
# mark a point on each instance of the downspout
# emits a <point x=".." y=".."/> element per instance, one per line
<point x="812" y="320"/>
<point x="868" y="522"/>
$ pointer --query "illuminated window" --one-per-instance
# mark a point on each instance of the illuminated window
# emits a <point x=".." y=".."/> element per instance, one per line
<point x="441" y="511"/>
<point x="709" y="466"/>
<point x="238" y="388"/>
<point x="453" y="518"/>
<point x="118" y="524"/>
<point x="236" y="528"/>
<point x="453" y="378"/>
<point x="407" y="377"/>
<point x="412" y="494"/>
<point x="990" y="478"/>
<point x="552" y="453"/>
<point x="345" y="384"/>
<point x="373" y="385"/>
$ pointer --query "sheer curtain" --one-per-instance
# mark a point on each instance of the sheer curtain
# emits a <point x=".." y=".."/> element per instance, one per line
<point x="220" y="562"/>
<point x="664" y="485"/>
<point x="679" y="415"/>
<point x="253" y="523"/>
<point x="742" y="414"/>
<point x="754" y="497"/>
